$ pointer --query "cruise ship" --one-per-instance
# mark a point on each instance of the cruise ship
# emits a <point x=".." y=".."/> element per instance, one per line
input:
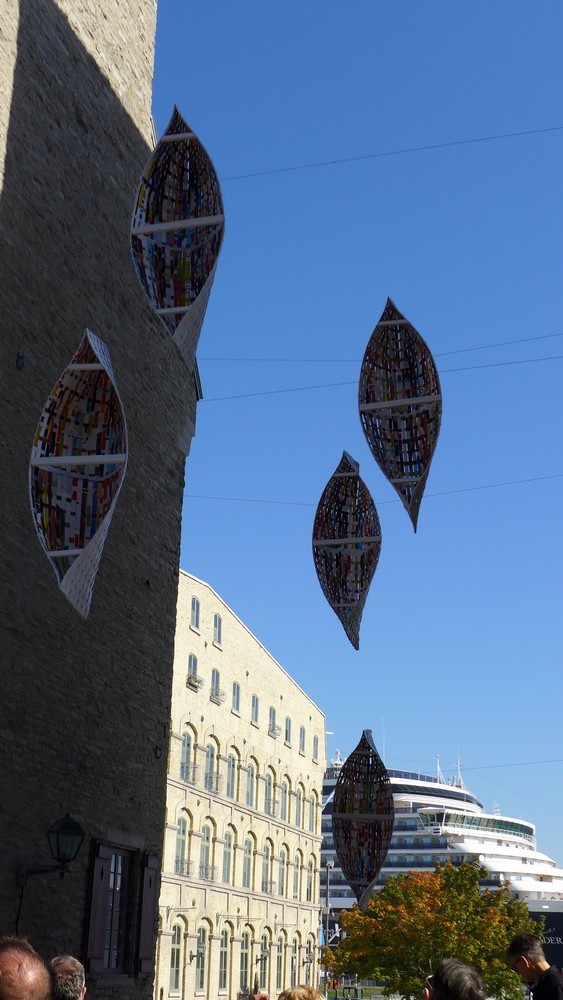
<point x="438" y="820"/>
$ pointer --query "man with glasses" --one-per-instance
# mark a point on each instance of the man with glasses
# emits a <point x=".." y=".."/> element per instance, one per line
<point x="526" y="956"/>
<point x="454" y="980"/>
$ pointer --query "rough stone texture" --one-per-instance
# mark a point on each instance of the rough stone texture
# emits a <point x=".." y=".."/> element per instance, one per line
<point x="83" y="703"/>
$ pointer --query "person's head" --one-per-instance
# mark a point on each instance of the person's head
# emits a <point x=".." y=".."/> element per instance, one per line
<point x="67" y="974"/>
<point x="526" y="956"/>
<point x="23" y="973"/>
<point x="301" y="993"/>
<point x="454" y="980"/>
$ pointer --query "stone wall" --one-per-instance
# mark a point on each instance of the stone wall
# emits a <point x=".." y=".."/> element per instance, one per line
<point x="83" y="703"/>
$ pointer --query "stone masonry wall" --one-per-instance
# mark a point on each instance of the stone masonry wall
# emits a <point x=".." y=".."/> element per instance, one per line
<point x="83" y="703"/>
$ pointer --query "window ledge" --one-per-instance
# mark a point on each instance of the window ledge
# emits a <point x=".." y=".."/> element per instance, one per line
<point x="194" y="629"/>
<point x="255" y="724"/>
<point x="235" y="711"/>
<point x="217" y="645"/>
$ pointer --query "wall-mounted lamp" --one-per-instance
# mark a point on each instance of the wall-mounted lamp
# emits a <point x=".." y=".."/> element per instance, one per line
<point x="195" y="954"/>
<point x="65" y="840"/>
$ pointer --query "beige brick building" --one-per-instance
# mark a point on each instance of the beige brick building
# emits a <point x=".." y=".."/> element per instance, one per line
<point x="240" y="883"/>
<point x="85" y="703"/>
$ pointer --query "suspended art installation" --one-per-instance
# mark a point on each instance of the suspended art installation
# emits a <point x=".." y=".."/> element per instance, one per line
<point x="346" y="544"/>
<point x="400" y="405"/>
<point x="177" y="231"/>
<point x="77" y="467"/>
<point x="362" y="818"/>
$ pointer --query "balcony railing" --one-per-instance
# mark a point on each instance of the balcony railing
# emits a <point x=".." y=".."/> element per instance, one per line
<point x="271" y="807"/>
<point x="195" y="682"/>
<point x="274" y="731"/>
<point x="208" y="873"/>
<point x="212" y="782"/>
<point x="217" y="696"/>
<point x="182" y="867"/>
<point x="189" y="773"/>
<point x="269" y="887"/>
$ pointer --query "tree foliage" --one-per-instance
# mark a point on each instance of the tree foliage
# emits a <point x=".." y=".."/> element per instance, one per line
<point x="419" y="918"/>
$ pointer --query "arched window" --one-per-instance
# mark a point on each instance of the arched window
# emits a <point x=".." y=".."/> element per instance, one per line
<point x="254" y="709"/>
<point x="309" y="893"/>
<point x="293" y="971"/>
<point x="235" y="704"/>
<point x="217" y="629"/>
<point x="180" y="858"/>
<point x="268" y="794"/>
<point x="298" y="807"/>
<point x="312" y="813"/>
<point x="266" y="869"/>
<point x="227" y="857"/>
<point x="263" y="961"/>
<point x="223" y="959"/>
<point x="200" y="959"/>
<point x="250" y="785"/>
<point x="279" y="965"/>
<point x="287" y="735"/>
<point x="302" y="739"/>
<point x="272" y="720"/>
<point x="175" y="951"/>
<point x="186" y="757"/>
<point x="282" y="867"/>
<point x="194" y="620"/>
<point x="209" y="779"/>
<point x="315" y="747"/>
<point x="244" y="957"/>
<point x="205" y="853"/>
<point x="283" y="801"/>
<point x="308" y="963"/>
<point x="296" y="875"/>
<point x="231" y="776"/>
<point x="192" y="665"/>
<point x="247" y="864"/>
<point x="215" y="684"/>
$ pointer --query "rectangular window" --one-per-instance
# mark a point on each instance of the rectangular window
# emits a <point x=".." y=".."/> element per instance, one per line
<point x="287" y="736"/>
<point x="215" y="683"/>
<point x="302" y="739"/>
<point x="194" y="620"/>
<point x="223" y="960"/>
<point x="217" y="629"/>
<point x="235" y="704"/>
<point x="315" y="747"/>
<point x="254" y="710"/>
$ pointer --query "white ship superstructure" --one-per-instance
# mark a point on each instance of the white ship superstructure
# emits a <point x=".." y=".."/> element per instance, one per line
<point x="438" y="820"/>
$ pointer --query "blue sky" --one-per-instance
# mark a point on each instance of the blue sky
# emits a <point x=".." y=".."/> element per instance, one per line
<point x="461" y="649"/>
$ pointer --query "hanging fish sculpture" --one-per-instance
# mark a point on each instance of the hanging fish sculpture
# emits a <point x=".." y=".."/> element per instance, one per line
<point x="176" y="233"/>
<point x="346" y="544"/>
<point x="400" y="405"/>
<point x="362" y="818"/>
<point x="77" y="467"/>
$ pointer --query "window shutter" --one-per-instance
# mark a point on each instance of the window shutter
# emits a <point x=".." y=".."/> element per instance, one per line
<point x="98" y="907"/>
<point x="149" y="913"/>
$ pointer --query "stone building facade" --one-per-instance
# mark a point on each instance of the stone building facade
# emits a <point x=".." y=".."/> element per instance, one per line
<point x="239" y="903"/>
<point x="85" y="703"/>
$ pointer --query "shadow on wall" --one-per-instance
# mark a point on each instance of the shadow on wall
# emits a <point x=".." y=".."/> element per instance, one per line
<point x="80" y="700"/>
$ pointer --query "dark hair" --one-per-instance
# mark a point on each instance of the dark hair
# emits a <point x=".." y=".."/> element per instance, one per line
<point x="23" y="973"/>
<point x="68" y="977"/>
<point x="454" y="980"/>
<point x="528" y="945"/>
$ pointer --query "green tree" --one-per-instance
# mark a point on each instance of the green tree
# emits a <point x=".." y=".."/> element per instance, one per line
<point x="419" y="918"/>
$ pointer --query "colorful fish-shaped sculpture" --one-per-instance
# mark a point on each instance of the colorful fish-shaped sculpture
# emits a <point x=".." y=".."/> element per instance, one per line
<point x="177" y="232"/>
<point x="400" y="404"/>
<point x="346" y="544"/>
<point x="77" y="467"/>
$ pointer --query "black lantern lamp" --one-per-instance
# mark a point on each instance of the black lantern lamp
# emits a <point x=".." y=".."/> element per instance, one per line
<point x="65" y="840"/>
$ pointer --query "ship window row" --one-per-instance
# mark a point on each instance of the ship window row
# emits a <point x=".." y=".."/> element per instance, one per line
<point x="239" y="862"/>
<point x="274" y="964"/>
<point x="217" y="695"/>
<point x="274" y="796"/>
